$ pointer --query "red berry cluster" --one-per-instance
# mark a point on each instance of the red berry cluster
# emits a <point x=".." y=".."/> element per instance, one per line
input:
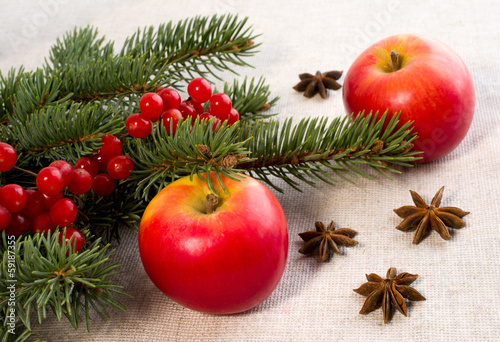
<point x="108" y="159"/>
<point x="46" y="208"/>
<point x="166" y="104"/>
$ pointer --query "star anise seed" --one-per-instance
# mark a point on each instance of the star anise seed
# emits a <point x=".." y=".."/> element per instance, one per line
<point x="313" y="84"/>
<point x="429" y="217"/>
<point x="327" y="239"/>
<point x="388" y="292"/>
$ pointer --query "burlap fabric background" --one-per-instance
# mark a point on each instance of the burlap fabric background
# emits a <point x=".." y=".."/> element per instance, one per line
<point x="315" y="302"/>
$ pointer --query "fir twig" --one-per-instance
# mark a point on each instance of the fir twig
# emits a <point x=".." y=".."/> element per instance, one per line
<point x="83" y="67"/>
<point x="303" y="152"/>
<point x="89" y="68"/>
<point x="8" y="87"/>
<point x="49" y="274"/>
<point x="293" y="152"/>
<point x="250" y="98"/>
<point x="162" y="158"/>
<point x="106" y="216"/>
<point x="197" y="46"/>
<point x="64" y="131"/>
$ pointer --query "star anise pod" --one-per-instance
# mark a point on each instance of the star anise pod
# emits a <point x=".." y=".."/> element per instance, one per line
<point x="327" y="240"/>
<point x="313" y="84"/>
<point x="429" y="217"/>
<point x="389" y="292"/>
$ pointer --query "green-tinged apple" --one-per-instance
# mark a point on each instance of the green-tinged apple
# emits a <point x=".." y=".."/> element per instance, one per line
<point x="219" y="254"/>
<point x="423" y="79"/>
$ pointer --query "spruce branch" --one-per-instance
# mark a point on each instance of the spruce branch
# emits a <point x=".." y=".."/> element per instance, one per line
<point x="196" y="149"/>
<point x="49" y="274"/>
<point x="106" y="216"/>
<point x="77" y="45"/>
<point x="65" y="131"/>
<point x="250" y="98"/>
<point x="296" y="153"/>
<point x="35" y="90"/>
<point x="83" y="67"/>
<point x="196" y="46"/>
<point x="8" y="87"/>
<point x="303" y="151"/>
<point x="21" y="333"/>
<point x="90" y="70"/>
<point x="113" y="77"/>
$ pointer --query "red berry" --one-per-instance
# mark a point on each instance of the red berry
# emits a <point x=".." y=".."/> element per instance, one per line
<point x="170" y="118"/>
<point x="19" y="224"/>
<point x="8" y="157"/>
<point x="208" y="116"/>
<point x="111" y="146"/>
<point x="233" y="116"/>
<point x="73" y="237"/>
<point x="138" y="126"/>
<point x="197" y="106"/>
<point x="90" y="165"/>
<point x="63" y="212"/>
<point x="170" y="97"/>
<point x="13" y="197"/>
<point x="66" y="170"/>
<point x="42" y="224"/>
<point x="151" y="105"/>
<point x="34" y="204"/>
<point x="200" y="90"/>
<point x="48" y="201"/>
<point x="82" y="182"/>
<point x="220" y="105"/>
<point x="101" y="162"/>
<point x="5" y="217"/>
<point x="155" y="119"/>
<point x="119" y="167"/>
<point x="50" y="180"/>
<point x="188" y="112"/>
<point x="103" y="185"/>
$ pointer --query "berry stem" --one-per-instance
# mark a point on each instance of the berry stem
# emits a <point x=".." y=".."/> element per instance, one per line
<point x="85" y="218"/>
<point x="212" y="201"/>
<point x="25" y="171"/>
<point x="78" y="200"/>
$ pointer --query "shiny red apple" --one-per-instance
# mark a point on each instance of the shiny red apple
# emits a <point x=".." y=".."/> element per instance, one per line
<point x="217" y="254"/>
<point x="423" y="79"/>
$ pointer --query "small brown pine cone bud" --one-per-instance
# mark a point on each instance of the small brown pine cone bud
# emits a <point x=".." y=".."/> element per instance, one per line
<point x="228" y="161"/>
<point x="205" y="150"/>
<point x="377" y="146"/>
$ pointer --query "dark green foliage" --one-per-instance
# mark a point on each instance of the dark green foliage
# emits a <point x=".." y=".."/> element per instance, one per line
<point x="250" y="98"/>
<point x="197" y="46"/>
<point x="162" y="158"/>
<point x="8" y="87"/>
<point x="49" y="274"/>
<point x="106" y="216"/>
<point x="309" y="151"/>
<point x="64" y="131"/>
<point x="317" y="150"/>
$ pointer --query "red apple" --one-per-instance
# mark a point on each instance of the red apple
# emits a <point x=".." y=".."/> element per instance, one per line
<point x="223" y="261"/>
<point x="423" y="79"/>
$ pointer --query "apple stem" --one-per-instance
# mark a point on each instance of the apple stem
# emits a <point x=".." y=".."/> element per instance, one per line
<point x="212" y="201"/>
<point x="395" y="61"/>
